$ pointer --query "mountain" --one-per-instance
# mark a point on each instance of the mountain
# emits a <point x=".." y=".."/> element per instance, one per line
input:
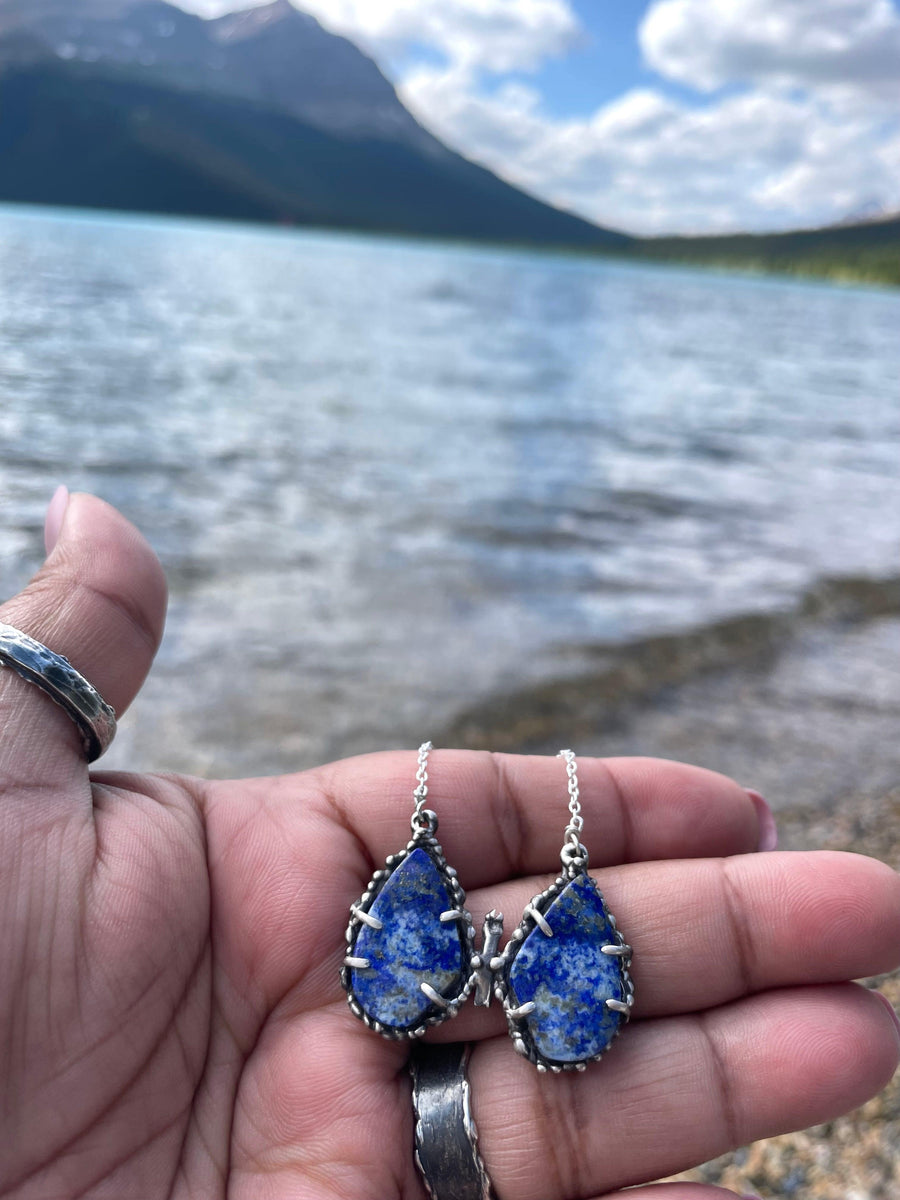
<point x="274" y="55"/>
<point x="286" y="60"/>
<point x="262" y="114"/>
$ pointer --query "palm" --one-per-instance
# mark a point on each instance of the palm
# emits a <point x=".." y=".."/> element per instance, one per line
<point x="147" y="1040"/>
<point x="171" y="1020"/>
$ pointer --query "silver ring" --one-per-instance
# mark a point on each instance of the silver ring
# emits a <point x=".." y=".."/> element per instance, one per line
<point x="446" y="1138"/>
<point x="55" y="675"/>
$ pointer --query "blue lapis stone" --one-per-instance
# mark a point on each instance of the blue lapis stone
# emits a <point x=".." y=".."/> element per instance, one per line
<point x="412" y="948"/>
<point x="568" y="979"/>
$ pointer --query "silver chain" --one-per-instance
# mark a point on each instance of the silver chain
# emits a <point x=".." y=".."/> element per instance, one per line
<point x="420" y="795"/>
<point x="573" y="851"/>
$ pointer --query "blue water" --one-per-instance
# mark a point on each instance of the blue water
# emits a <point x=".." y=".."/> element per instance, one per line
<point x="410" y="476"/>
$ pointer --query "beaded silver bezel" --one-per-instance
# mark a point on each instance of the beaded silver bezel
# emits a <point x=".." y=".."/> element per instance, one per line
<point x="518" y="1026"/>
<point x="422" y="839"/>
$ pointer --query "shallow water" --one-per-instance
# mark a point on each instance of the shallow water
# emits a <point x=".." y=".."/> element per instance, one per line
<point x="392" y="480"/>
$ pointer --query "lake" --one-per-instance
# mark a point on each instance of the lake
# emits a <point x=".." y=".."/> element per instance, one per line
<point x="393" y="481"/>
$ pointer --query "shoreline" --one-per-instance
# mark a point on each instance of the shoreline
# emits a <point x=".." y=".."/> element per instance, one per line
<point x="878" y="269"/>
<point x="802" y="704"/>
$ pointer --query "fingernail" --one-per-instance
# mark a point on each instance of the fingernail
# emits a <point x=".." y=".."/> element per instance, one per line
<point x="887" y="1004"/>
<point x="55" y="516"/>
<point x="768" y="831"/>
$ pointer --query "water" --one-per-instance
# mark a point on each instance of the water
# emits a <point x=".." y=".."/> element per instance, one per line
<point x="392" y="480"/>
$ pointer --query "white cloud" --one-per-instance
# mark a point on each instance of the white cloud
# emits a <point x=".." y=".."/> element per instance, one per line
<point x="814" y="43"/>
<point x="215" y="8"/>
<point x="498" y="35"/>
<point x="812" y="135"/>
<point x="808" y="140"/>
<point x="647" y="163"/>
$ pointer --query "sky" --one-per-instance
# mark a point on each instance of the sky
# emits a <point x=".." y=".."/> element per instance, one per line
<point x="653" y="116"/>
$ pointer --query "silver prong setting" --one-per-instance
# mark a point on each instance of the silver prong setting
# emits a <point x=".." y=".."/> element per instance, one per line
<point x="524" y="1010"/>
<point x="453" y="914"/>
<point x="616" y="951"/>
<point x="358" y="964"/>
<point x="366" y="918"/>
<point x="540" y="920"/>
<point x="433" y="996"/>
<point x="618" y="1007"/>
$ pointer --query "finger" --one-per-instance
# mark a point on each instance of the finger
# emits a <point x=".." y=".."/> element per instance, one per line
<point x="503" y="815"/>
<point x="705" y="933"/>
<point x="672" y="1093"/>
<point x="99" y="599"/>
<point x="679" y="1091"/>
<point x="363" y="1103"/>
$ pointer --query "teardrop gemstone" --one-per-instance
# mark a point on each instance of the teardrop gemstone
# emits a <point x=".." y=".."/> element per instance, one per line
<point x="413" y="946"/>
<point x="568" y="978"/>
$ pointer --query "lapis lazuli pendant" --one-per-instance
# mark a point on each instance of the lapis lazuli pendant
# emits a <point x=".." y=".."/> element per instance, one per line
<point x="565" y="984"/>
<point x="563" y="977"/>
<point x="409" y="942"/>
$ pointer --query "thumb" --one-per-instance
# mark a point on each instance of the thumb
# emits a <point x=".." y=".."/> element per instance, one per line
<point x="100" y="600"/>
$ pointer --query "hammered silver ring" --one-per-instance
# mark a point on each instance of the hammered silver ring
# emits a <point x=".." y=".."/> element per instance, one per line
<point x="55" y="675"/>
<point x="446" y="1150"/>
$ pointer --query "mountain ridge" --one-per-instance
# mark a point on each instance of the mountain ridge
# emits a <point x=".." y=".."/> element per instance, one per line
<point x="354" y="156"/>
<point x="70" y="136"/>
<point x="272" y="54"/>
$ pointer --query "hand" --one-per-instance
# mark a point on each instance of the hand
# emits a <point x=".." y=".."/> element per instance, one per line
<point x="171" y="1019"/>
